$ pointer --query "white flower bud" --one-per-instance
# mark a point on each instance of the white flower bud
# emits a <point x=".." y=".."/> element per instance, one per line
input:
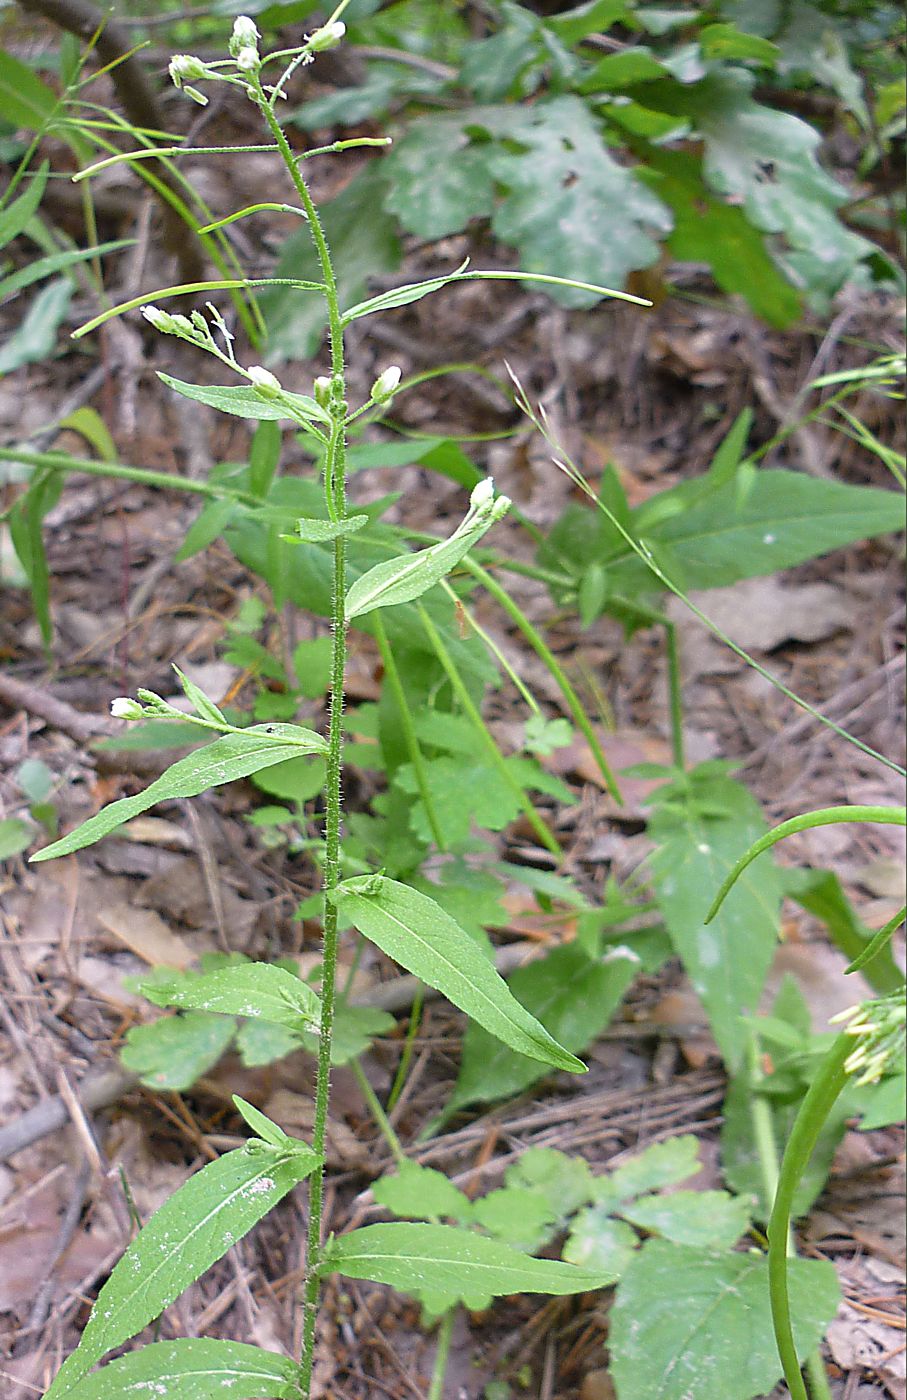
<point x="161" y="320"/>
<point x="482" y="494"/>
<point x="322" y="390"/>
<point x="124" y="708"/>
<point x="244" y="36"/>
<point x="501" y="507"/>
<point x="386" y="383"/>
<point x="248" y="61"/>
<point x="184" y="67"/>
<point x="327" y="37"/>
<point x="265" y="384"/>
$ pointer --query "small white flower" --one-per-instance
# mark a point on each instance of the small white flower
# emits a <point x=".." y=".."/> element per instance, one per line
<point x="124" y="708"/>
<point x="161" y="320"/>
<point x="244" y="36"/>
<point x="248" y="61"/>
<point x="185" y="67"/>
<point x="322" y="389"/>
<point x="327" y="37"/>
<point x="386" y="383"/>
<point x="482" y="494"/>
<point x="265" y="384"/>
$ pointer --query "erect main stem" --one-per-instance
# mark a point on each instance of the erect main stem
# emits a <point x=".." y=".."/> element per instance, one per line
<point x="335" y="490"/>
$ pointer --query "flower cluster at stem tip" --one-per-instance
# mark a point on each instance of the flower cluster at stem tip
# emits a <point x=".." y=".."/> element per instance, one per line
<point x="186" y="68"/>
<point x="878" y="1028"/>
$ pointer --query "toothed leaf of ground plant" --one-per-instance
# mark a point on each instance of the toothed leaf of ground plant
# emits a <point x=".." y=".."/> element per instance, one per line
<point x="228" y="758"/>
<point x="257" y="990"/>
<point x="707" y="230"/>
<point x="175" y="1051"/>
<point x="190" y="1232"/>
<point x="567" y="202"/>
<point x="768" y="160"/>
<point x="689" y="1324"/>
<point x="193" y="1368"/>
<point x="707" y="1219"/>
<point x="699" y="826"/>
<point x="441" y="1265"/>
<point x="421" y="1193"/>
<point x="548" y="988"/>
<point x="243" y="402"/>
<point x="16" y="835"/>
<point x="413" y="930"/>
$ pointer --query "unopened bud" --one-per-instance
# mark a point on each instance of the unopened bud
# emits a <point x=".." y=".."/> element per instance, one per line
<point x="161" y="320"/>
<point x="322" y="390"/>
<point x="124" y="708"/>
<point x="248" y="61"/>
<point x="327" y="37"/>
<point x="185" y="67"/>
<point x="386" y="384"/>
<point x="244" y="36"/>
<point x="501" y="507"/>
<point x="196" y="96"/>
<point x="482" y="494"/>
<point x="265" y="384"/>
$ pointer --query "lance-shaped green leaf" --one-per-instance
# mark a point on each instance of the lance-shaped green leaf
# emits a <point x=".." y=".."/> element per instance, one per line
<point x="409" y="576"/>
<point x="441" y="1265"/>
<point x="190" y="1232"/>
<point x="193" y="1368"/>
<point x="402" y="296"/>
<point x="230" y="757"/>
<point x="15" y="216"/>
<point x="257" y="990"/>
<point x="312" y="531"/>
<point x="417" y="933"/>
<point x="243" y="402"/>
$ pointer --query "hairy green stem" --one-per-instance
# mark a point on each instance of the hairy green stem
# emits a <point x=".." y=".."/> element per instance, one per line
<point x="335" y="492"/>
<point x="546" y="655"/>
<point x="815" y="1108"/>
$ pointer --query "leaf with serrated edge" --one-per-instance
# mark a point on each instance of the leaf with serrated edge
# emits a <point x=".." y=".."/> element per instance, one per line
<point x="414" y="931"/>
<point x="190" y="1232"/>
<point x="257" y="990"/>
<point x="193" y="1368"/>
<point x="441" y="1265"/>
<point x="228" y="758"/>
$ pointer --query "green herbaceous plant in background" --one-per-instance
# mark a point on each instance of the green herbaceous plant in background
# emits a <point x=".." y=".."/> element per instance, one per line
<point x="731" y="523"/>
<point x="218" y="1205"/>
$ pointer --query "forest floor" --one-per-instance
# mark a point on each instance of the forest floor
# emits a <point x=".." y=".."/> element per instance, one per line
<point x="653" y="392"/>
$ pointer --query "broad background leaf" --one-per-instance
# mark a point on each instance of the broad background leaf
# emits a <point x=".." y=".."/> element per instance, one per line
<point x="727" y="960"/>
